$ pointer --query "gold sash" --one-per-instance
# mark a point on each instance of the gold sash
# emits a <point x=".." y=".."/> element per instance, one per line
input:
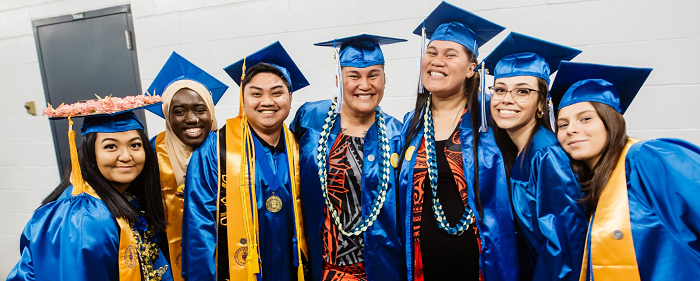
<point x="173" y="206"/>
<point x="241" y="208"/>
<point x="129" y="267"/>
<point x="612" y="248"/>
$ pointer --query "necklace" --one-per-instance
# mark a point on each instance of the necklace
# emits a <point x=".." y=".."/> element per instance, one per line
<point x="146" y="248"/>
<point x="439" y="214"/>
<point x="383" y="168"/>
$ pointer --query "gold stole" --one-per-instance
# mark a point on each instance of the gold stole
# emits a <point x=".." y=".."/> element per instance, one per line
<point x="241" y="206"/>
<point x="173" y="206"/>
<point x="129" y="268"/>
<point x="611" y="258"/>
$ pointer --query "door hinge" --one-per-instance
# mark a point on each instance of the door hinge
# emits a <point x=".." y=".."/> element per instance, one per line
<point x="127" y="36"/>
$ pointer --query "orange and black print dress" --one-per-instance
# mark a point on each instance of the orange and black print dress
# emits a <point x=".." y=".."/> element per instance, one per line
<point x="343" y="258"/>
<point x="438" y="255"/>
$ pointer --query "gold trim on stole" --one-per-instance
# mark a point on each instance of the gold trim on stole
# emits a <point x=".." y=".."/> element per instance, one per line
<point x="612" y="248"/>
<point x="173" y="206"/>
<point x="242" y="220"/>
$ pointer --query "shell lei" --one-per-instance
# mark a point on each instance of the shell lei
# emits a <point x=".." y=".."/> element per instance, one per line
<point x="383" y="168"/>
<point x="439" y="214"/>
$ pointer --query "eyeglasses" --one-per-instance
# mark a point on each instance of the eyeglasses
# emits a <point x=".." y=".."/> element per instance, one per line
<point x="520" y="95"/>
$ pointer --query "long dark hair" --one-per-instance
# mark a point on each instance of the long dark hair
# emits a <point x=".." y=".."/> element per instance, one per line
<point x="505" y="143"/>
<point x="471" y="89"/>
<point x="146" y="186"/>
<point x="593" y="180"/>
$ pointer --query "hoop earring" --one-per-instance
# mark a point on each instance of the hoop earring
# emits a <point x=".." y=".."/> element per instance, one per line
<point x="539" y="114"/>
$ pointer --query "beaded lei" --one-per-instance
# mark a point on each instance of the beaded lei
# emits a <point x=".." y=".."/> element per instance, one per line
<point x="439" y="214"/>
<point x="383" y="168"/>
<point x="147" y="249"/>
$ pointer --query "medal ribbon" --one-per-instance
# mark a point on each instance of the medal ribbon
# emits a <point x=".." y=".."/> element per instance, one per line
<point x="264" y="164"/>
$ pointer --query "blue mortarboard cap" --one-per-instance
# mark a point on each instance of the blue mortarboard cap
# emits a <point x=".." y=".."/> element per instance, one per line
<point x="522" y="55"/>
<point x="615" y="86"/>
<point x="178" y="68"/>
<point x="111" y="123"/>
<point x="275" y="55"/>
<point x="361" y="50"/>
<point x="451" y="23"/>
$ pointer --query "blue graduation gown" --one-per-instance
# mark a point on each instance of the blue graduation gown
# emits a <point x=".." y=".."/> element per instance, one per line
<point x="74" y="238"/>
<point x="545" y="194"/>
<point x="200" y="217"/>
<point x="663" y="187"/>
<point x="383" y="253"/>
<point x="499" y="255"/>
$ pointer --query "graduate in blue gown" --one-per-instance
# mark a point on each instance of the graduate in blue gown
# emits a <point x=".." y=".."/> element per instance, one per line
<point x="545" y="193"/>
<point x="454" y="205"/>
<point x="360" y="146"/>
<point x="189" y="95"/>
<point x="242" y="215"/>
<point x="642" y="195"/>
<point x="102" y="222"/>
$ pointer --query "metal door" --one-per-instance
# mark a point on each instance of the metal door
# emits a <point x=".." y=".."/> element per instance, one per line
<point x="83" y="55"/>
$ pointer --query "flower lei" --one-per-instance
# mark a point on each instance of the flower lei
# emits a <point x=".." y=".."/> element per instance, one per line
<point x="439" y="214"/>
<point x="147" y="249"/>
<point x="383" y="168"/>
<point x="106" y="105"/>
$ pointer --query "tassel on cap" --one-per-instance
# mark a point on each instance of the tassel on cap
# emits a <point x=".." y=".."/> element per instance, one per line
<point x="339" y="73"/>
<point x="422" y="52"/>
<point x="76" y="176"/>
<point x="240" y="100"/>
<point x="483" y="128"/>
<point x="550" y="108"/>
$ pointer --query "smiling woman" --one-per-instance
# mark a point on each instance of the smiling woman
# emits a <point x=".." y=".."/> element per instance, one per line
<point x="544" y="192"/>
<point x="120" y="157"/>
<point x="453" y="194"/>
<point x="189" y="95"/>
<point x="190" y="118"/>
<point x="106" y="216"/>
<point x="642" y="196"/>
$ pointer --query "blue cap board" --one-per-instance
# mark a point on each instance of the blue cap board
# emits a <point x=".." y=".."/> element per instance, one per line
<point x="522" y="55"/>
<point x="275" y="55"/>
<point x="451" y="23"/>
<point x="111" y="123"/>
<point x="177" y="68"/>
<point x="361" y="50"/>
<point x="615" y="86"/>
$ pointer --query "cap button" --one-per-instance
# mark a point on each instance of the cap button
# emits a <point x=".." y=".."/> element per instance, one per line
<point x="617" y="234"/>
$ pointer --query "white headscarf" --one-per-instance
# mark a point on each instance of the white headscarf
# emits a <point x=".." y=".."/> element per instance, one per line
<point x="178" y="151"/>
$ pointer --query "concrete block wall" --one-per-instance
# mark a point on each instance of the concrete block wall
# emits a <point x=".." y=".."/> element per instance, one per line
<point x="214" y="33"/>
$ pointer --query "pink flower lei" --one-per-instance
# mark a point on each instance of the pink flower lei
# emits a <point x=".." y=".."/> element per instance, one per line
<point x="106" y="105"/>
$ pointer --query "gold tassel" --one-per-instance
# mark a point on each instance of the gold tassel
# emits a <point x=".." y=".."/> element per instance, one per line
<point x="76" y="176"/>
<point x="240" y="99"/>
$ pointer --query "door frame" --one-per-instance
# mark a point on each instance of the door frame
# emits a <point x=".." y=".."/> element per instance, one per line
<point x="36" y="24"/>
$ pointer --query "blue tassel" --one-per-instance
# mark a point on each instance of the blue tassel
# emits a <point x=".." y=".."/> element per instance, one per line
<point x="483" y="128"/>
<point x="422" y="52"/>
<point x="550" y="107"/>
<point x="340" y="77"/>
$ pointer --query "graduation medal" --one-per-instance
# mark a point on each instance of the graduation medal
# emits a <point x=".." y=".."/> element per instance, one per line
<point x="273" y="203"/>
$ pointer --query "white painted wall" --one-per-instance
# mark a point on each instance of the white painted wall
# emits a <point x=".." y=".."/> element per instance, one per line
<point x="664" y="35"/>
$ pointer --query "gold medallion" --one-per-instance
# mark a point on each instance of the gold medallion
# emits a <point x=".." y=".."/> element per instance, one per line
<point x="394" y="160"/>
<point x="273" y="204"/>
<point x="409" y="153"/>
